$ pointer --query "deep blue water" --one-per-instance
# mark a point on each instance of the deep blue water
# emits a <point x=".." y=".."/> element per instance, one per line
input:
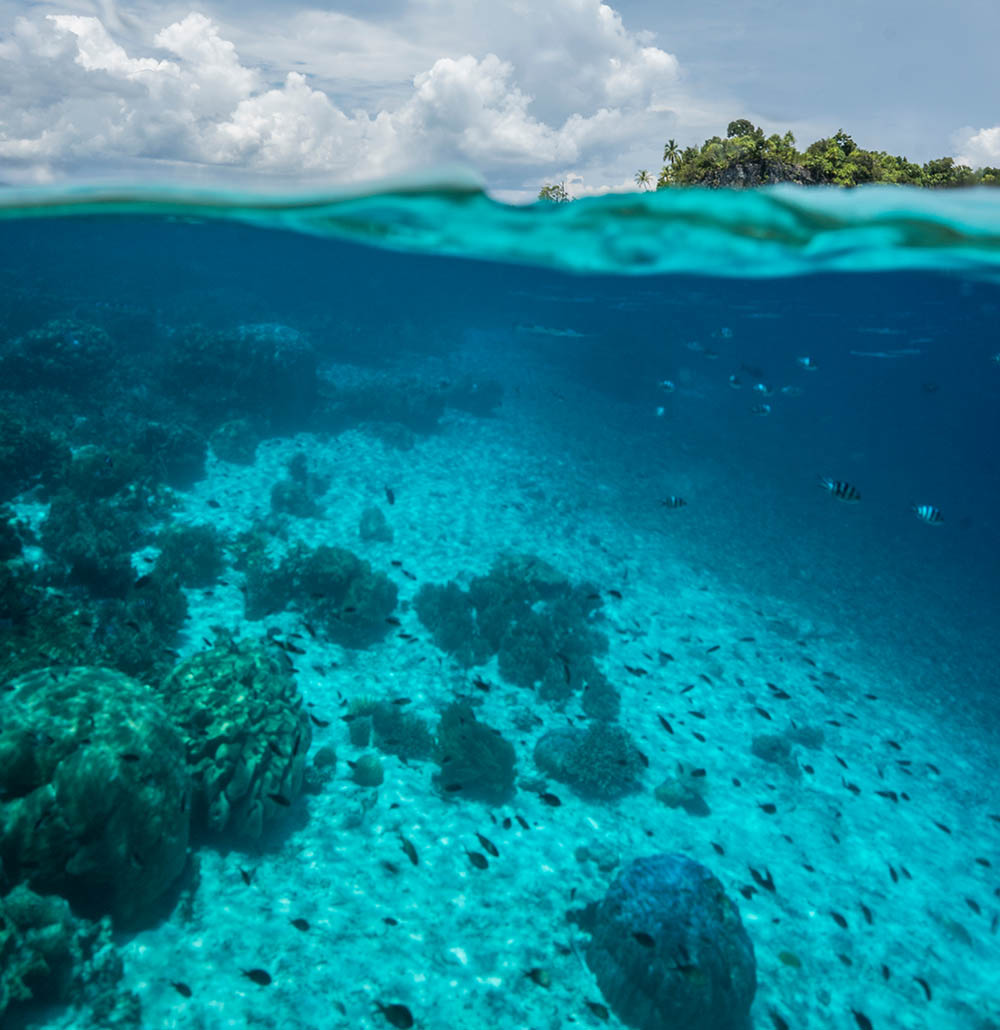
<point x="902" y="405"/>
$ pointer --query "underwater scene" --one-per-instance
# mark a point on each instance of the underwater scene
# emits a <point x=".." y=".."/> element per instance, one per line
<point x="421" y="612"/>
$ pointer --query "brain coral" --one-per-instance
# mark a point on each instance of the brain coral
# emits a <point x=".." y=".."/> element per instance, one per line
<point x="669" y="950"/>
<point x="94" y="792"/>
<point x="245" y="732"/>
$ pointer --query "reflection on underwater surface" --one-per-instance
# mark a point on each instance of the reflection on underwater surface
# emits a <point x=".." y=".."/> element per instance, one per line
<point x="370" y="620"/>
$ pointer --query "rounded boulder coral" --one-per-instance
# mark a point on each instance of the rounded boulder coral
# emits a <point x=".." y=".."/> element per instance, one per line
<point x="669" y="950"/>
<point x="94" y="790"/>
<point x="245" y="733"/>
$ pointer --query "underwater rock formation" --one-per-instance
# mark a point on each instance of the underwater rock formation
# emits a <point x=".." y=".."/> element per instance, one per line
<point x="96" y="794"/>
<point x="29" y="454"/>
<point x="668" y="948"/>
<point x="245" y="735"/>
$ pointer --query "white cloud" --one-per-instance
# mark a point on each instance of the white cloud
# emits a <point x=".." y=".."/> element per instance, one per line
<point x="513" y="87"/>
<point x="980" y="148"/>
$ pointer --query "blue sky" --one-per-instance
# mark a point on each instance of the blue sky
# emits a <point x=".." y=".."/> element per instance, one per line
<point x="279" y="95"/>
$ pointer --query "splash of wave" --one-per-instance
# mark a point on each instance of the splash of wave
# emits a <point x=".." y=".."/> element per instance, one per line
<point x="776" y="231"/>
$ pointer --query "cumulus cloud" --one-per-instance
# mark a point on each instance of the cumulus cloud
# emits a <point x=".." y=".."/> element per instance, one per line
<point x="512" y="87"/>
<point x="980" y="149"/>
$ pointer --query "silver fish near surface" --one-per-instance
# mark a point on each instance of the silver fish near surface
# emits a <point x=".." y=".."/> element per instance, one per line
<point x="928" y="513"/>
<point x="762" y="388"/>
<point x="667" y="385"/>
<point x="841" y="490"/>
<point x="734" y="382"/>
<point x="807" y="363"/>
<point x="761" y="410"/>
<point x="673" y="502"/>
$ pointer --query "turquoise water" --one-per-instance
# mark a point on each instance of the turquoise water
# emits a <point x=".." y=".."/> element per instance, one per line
<point x="383" y="575"/>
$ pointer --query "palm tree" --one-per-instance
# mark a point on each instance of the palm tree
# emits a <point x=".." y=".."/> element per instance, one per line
<point x="643" y="179"/>
<point x="671" y="152"/>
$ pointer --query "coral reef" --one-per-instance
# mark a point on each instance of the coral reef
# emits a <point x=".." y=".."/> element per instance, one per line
<point x="29" y="454"/>
<point x="245" y="734"/>
<point x="600" y="762"/>
<point x="47" y="954"/>
<point x="192" y="555"/>
<point x="535" y="621"/>
<point x="331" y="586"/>
<point x="475" y="760"/>
<point x="64" y="354"/>
<point x="95" y="791"/>
<point x="668" y="948"/>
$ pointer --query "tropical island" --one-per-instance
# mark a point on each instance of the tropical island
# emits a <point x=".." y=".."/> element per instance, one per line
<point x="747" y="157"/>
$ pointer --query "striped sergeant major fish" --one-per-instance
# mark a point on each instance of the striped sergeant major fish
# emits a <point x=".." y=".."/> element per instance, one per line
<point x="928" y="513"/>
<point x="673" y="502"/>
<point x="841" y="490"/>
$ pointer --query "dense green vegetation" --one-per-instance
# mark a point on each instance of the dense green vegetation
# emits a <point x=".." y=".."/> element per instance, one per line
<point x="748" y="157"/>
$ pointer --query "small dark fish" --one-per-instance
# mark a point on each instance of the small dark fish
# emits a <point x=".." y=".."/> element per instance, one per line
<point x="599" y="1010"/>
<point x="766" y="880"/>
<point x="663" y="722"/>
<point x="389" y="495"/>
<point x="480" y="684"/>
<point x="697" y="714"/>
<point x="550" y="799"/>
<point x="779" y="1023"/>
<point x="644" y="939"/>
<point x="941" y="826"/>
<point x="280" y="799"/>
<point x="181" y="988"/>
<point x="894" y="875"/>
<point x="393" y="621"/>
<point x="321" y="723"/>
<point x="261" y="977"/>
<point x="985" y="862"/>
<point x="408" y="574"/>
<point x="714" y="647"/>
<point x="213" y="503"/>
<point x="130" y="756"/>
<point x="293" y="648"/>
<point x="974" y="905"/>
<point x="762" y="712"/>
<point x="864" y="1023"/>
<point x="478" y="860"/>
<point x="719" y="849"/>
<point x="143" y="581"/>
<point x="247" y="875"/>
<point x="839" y="920"/>
<point x="522" y="822"/>
<point x="926" y="986"/>
<point x="841" y="490"/>
<point x="890" y="794"/>
<point x="539" y="976"/>
<point x="636" y="670"/>
<point x="767" y="807"/>
<point x="396" y="1015"/>
<point x="867" y="913"/>
<point x="747" y="891"/>
<point x="852" y="787"/>
<point x="673" y="501"/>
<point x="616" y="594"/>
<point x="488" y="845"/>
<point x="409" y="850"/>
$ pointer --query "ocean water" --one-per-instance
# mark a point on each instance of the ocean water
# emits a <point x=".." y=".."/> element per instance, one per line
<point x="361" y="498"/>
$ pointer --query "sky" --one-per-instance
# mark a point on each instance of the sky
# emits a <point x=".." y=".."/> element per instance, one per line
<point x="283" y="95"/>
